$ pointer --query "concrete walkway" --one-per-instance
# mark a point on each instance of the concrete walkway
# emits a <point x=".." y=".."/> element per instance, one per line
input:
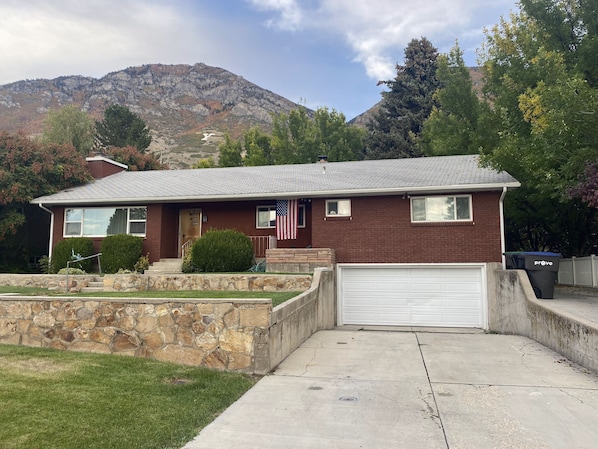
<point x="414" y="390"/>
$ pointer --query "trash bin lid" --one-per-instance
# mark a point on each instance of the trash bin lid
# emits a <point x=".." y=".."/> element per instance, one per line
<point x="539" y="253"/>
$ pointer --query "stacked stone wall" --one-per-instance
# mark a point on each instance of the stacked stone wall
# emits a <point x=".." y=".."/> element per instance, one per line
<point x="227" y="334"/>
<point x="216" y="333"/>
<point x="254" y="282"/>
<point x="220" y="282"/>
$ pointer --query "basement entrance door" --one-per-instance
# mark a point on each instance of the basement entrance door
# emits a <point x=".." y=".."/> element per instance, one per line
<point x="189" y="228"/>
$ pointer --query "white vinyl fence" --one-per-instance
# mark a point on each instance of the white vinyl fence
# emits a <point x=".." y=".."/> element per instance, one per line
<point x="579" y="271"/>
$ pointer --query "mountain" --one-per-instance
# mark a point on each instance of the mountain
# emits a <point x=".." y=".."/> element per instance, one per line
<point x="188" y="108"/>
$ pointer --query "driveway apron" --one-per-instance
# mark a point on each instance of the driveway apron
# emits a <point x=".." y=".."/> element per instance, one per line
<point x="379" y="389"/>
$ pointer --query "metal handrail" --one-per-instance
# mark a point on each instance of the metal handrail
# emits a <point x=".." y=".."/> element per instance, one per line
<point x="78" y="258"/>
<point x="185" y="247"/>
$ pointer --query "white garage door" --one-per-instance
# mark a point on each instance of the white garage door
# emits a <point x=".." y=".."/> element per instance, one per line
<point x="412" y="295"/>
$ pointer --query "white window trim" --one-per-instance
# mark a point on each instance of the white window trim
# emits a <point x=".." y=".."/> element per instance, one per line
<point x="463" y="220"/>
<point x="82" y="221"/>
<point x="273" y="225"/>
<point x="337" y="214"/>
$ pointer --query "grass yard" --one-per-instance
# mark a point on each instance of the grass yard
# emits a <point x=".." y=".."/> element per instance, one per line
<point x="57" y="399"/>
<point x="277" y="297"/>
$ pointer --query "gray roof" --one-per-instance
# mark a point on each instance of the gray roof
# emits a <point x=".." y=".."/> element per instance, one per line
<point x="342" y="179"/>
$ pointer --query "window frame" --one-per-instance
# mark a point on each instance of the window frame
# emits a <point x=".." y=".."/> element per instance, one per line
<point x="301" y="218"/>
<point x="426" y="210"/>
<point x="81" y="221"/>
<point x="338" y="207"/>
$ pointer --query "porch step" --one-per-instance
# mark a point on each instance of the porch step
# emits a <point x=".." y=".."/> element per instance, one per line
<point x="166" y="266"/>
<point x="97" y="285"/>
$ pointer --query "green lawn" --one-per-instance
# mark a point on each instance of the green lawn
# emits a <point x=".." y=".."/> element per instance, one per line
<point x="277" y="297"/>
<point x="63" y="400"/>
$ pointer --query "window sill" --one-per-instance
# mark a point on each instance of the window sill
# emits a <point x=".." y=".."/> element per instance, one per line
<point x="426" y="224"/>
<point x="337" y="218"/>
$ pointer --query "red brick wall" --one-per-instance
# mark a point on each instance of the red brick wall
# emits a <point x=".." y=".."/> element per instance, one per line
<point x="242" y="217"/>
<point x="161" y="232"/>
<point x="380" y="231"/>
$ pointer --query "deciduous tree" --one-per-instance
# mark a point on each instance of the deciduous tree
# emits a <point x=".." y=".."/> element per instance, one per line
<point x="453" y="126"/>
<point x="30" y="169"/>
<point x="544" y="106"/>
<point x="69" y="125"/>
<point x="135" y="159"/>
<point x="296" y="138"/>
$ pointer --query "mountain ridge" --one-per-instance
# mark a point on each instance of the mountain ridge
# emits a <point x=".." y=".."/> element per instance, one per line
<point x="188" y="108"/>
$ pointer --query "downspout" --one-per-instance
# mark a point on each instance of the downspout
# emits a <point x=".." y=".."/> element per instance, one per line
<point x="50" y="245"/>
<point x="502" y="227"/>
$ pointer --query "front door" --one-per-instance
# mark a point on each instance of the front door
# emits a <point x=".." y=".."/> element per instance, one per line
<point x="189" y="229"/>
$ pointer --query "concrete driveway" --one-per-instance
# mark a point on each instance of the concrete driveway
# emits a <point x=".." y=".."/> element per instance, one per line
<point x="378" y="389"/>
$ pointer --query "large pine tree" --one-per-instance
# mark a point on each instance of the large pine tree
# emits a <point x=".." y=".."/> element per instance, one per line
<point x="393" y="131"/>
<point x="122" y="128"/>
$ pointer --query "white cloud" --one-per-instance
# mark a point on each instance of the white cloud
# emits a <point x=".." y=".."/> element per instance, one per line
<point x="377" y="31"/>
<point x="51" y="39"/>
<point x="291" y="15"/>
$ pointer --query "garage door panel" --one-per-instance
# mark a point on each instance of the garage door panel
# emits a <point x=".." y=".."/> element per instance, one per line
<point x="421" y="296"/>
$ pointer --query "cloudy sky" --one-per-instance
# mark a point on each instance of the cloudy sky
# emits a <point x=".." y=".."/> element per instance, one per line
<point x="317" y="52"/>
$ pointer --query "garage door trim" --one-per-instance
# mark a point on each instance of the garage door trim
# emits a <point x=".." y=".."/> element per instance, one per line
<point x="480" y="266"/>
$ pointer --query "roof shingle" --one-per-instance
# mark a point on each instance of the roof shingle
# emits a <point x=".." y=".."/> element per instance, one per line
<point x="388" y="176"/>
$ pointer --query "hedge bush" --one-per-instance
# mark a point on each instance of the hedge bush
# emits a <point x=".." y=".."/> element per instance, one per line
<point x="63" y="252"/>
<point x="120" y="252"/>
<point x="222" y="250"/>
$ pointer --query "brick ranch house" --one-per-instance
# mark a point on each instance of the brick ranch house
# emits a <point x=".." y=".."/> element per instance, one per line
<point x="413" y="238"/>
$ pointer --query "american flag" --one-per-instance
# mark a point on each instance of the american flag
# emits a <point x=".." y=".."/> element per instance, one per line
<point x="286" y="219"/>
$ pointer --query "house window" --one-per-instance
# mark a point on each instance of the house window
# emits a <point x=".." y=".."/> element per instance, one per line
<point x="103" y="221"/>
<point x="338" y="208"/>
<point x="441" y="208"/>
<point x="265" y="217"/>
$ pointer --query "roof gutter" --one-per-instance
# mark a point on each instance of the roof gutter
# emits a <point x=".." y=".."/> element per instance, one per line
<point x="51" y="242"/>
<point x="503" y="246"/>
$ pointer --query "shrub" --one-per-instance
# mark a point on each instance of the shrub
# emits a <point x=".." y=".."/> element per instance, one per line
<point x="187" y="266"/>
<point x="71" y="271"/>
<point x="142" y="264"/>
<point x="120" y="251"/>
<point x="222" y="250"/>
<point x="64" y="250"/>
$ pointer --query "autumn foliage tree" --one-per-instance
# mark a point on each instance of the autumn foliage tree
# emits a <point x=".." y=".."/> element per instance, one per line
<point x="29" y="169"/>
<point x="587" y="188"/>
<point x="135" y="159"/>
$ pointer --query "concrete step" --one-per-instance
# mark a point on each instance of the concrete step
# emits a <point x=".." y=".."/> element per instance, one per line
<point x="165" y="266"/>
<point x="97" y="285"/>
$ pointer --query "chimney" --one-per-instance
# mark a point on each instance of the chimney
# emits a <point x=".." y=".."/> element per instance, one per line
<point x="101" y="166"/>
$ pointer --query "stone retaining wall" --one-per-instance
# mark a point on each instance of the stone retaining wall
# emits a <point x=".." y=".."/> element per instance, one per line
<point x="226" y="334"/>
<point x="216" y="333"/>
<point x="49" y="281"/>
<point x="163" y="282"/>
<point x="253" y="282"/>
